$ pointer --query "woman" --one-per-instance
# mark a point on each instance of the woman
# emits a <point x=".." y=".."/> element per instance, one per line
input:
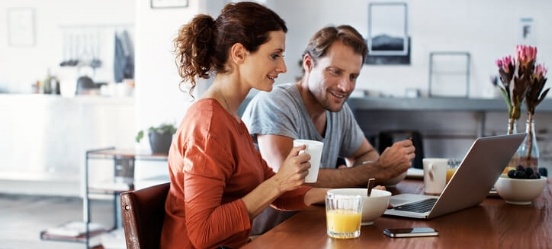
<point x="219" y="182"/>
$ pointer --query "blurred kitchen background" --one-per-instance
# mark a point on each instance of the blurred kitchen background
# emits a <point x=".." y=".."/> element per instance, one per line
<point x="89" y="74"/>
<point x="80" y="75"/>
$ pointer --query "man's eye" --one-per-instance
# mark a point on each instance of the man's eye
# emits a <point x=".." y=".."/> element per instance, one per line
<point x="334" y="71"/>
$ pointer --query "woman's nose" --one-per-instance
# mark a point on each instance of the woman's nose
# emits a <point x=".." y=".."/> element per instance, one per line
<point x="282" y="67"/>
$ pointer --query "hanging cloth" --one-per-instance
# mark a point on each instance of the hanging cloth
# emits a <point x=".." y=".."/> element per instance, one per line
<point x="123" y="65"/>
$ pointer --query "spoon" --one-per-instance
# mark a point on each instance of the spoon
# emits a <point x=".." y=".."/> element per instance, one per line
<point x="371" y="183"/>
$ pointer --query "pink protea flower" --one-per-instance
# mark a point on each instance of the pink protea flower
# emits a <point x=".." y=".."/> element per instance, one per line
<point x="526" y="54"/>
<point x="536" y="92"/>
<point x="505" y="63"/>
<point x="540" y="71"/>
<point x="516" y="76"/>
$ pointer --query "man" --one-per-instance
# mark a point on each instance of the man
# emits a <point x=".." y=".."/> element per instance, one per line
<point x="315" y="108"/>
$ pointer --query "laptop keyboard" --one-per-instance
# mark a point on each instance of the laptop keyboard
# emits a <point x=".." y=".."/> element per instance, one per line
<point x="418" y="207"/>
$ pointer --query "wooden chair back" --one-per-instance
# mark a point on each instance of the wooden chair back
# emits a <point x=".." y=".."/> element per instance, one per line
<point x="143" y="212"/>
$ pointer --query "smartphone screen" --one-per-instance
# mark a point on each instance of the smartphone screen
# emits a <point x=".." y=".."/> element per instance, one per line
<point x="410" y="232"/>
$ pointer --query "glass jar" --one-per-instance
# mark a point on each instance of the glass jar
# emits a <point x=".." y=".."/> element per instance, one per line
<point x="512" y="129"/>
<point x="529" y="149"/>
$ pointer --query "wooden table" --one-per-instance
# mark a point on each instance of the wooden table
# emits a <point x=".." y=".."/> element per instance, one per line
<point x="493" y="224"/>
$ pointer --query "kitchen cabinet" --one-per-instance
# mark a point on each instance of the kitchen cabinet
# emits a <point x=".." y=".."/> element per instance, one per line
<point x="45" y="138"/>
<point x="448" y="125"/>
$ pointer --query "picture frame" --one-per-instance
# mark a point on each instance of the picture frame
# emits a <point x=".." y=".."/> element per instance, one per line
<point x="449" y="74"/>
<point x="21" y="27"/>
<point x="372" y="59"/>
<point x="164" y="4"/>
<point x="388" y="40"/>
<point x="388" y="22"/>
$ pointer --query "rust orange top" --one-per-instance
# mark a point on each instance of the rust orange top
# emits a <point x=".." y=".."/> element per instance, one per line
<point x="213" y="163"/>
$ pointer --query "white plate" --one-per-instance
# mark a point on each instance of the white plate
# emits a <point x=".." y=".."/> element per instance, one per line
<point x="415" y="173"/>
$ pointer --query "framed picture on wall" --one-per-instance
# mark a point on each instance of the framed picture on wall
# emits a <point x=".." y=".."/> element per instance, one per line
<point x="388" y="40"/>
<point x="449" y="74"/>
<point x="21" y="27"/>
<point x="158" y="4"/>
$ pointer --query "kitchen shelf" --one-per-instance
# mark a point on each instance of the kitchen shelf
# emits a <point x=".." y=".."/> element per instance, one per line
<point x="123" y="180"/>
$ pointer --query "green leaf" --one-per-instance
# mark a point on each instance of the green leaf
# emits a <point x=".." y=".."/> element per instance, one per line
<point x="139" y="136"/>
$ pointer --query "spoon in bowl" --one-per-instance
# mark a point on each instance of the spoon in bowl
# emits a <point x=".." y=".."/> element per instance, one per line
<point x="371" y="183"/>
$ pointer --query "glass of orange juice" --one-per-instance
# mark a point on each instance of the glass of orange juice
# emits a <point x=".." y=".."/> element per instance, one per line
<point x="343" y="215"/>
<point x="451" y="168"/>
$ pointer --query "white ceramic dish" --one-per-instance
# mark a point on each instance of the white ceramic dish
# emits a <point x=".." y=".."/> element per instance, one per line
<point x="519" y="191"/>
<point x="391" y="183"/>
<point x="415" y="173"/>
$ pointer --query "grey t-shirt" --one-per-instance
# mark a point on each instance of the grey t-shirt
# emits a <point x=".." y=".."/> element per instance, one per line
<point x="282" y="112"/>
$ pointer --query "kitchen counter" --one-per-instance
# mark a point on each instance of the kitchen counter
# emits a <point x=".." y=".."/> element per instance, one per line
<point x="449" y="125"/>
<point x="46" y="136"/>
<point x="437" y="104"/>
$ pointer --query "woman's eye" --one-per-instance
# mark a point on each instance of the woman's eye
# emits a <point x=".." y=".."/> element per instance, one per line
<point x="275" y="56"/>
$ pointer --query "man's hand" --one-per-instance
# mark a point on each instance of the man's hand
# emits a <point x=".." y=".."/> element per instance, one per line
<point x="397" y="158"/>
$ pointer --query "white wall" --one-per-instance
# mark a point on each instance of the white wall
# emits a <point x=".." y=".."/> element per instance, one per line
<point x="159" y="97"/>
<point x="157" y="81"/>
<point x="486" y="29"/>
<point x="21" y="66"/>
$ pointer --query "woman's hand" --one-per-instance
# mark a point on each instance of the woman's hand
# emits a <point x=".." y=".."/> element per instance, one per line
<point x="291" y="176"/>
<point x="293" y="170"/>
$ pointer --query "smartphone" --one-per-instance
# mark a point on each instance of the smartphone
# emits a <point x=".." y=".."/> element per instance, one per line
<point x="410" y="232"/>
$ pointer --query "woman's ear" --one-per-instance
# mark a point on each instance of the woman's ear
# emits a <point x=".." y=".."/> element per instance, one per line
<point x="237" y="53"/>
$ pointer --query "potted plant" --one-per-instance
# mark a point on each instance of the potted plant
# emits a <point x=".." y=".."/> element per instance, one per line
<point x="160" y="137"/>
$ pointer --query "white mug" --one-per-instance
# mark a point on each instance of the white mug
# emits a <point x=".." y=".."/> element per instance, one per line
<point x="314" y="149"/>
<point x="435" y="174"/>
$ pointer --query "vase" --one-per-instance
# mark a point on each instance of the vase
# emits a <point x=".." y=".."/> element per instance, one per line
<point x="512" y="126"/>
<point x="512" y="129"/>
<point x="529" y="149"/>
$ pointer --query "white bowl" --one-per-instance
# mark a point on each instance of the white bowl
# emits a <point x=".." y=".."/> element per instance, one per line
<point x="394" y="181"/>
<point x="519" y="191"/>
<point x="372" y="207"/>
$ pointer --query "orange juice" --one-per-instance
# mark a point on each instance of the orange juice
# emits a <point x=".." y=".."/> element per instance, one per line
<point x="450" y="172"/>
<point x="343" y="221"/>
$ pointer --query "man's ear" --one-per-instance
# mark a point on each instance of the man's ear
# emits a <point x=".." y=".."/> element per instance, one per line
<point x="308" y="63"/>
<point x="237" y="53"/>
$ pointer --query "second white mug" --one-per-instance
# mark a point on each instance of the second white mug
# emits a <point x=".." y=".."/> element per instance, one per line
<point x="435" y="174"/>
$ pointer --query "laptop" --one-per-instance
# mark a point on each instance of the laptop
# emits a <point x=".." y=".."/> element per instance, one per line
<point x="469" y="186"/>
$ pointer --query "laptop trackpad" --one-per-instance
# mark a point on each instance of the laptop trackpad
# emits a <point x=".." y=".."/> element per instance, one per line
<point x="401" y="199"/>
